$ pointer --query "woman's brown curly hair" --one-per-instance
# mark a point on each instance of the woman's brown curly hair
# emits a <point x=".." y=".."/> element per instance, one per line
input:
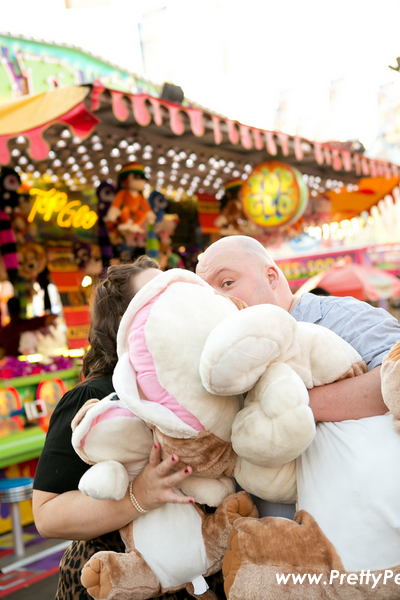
<point x="110" y="299"/>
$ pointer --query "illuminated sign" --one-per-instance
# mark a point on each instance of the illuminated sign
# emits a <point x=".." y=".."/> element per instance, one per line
<point x="70" y="213"/>
<point x="274" y="194"/>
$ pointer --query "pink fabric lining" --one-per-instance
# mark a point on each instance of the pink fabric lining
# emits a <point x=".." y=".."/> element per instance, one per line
<point x="143" y="363"/>
<point x="111" y="413"/>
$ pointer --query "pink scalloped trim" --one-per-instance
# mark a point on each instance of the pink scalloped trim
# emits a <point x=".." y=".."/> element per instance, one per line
<point x="284" y="142"/>
<point x="258" y="141"/>
<point x="271" y="144"/>
<point x="364" y="166"/>
<point x="217" y="129"/>
<point x="318" y="154"/>
<point x="119" y="109"/>
<point x="245" y="137"/>
<point x="298" y="150"/>
<point x="79" y="119"/>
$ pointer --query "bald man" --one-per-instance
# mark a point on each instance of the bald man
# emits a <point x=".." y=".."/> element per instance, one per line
<point x="240" y="266"/>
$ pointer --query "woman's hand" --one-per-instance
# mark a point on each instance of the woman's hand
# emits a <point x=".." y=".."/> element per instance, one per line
<point x="153" y="486"/>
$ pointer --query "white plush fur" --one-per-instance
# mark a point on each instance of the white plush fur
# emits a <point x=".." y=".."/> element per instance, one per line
<point x="165" y="526"/>
<point x="207" y="353"/>
<point x="109" y="443"/>
<point x="214" y="489"/>
<point x="106" y="480"/>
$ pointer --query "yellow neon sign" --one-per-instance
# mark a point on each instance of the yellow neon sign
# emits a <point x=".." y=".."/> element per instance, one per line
<point x="70" y="214"/>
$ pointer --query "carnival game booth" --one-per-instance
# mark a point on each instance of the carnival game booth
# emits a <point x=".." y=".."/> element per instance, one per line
<point x="202" y="176"/>
<point x="79" y="136"/>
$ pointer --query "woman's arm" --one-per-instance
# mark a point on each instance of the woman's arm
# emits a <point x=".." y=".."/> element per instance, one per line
<point x="353" y="398"/>
<point x="74" y="516"/>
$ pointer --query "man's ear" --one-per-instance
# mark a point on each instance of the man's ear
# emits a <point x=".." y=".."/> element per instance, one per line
<point x="272" y="275"/>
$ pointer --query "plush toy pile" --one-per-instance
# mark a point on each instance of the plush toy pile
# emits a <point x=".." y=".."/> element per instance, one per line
<point x="205" y="354"/>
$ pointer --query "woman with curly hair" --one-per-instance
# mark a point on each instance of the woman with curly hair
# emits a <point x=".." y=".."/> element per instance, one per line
<point x="60" y="509"/>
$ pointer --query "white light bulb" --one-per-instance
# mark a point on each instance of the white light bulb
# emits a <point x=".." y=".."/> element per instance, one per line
<point x="66" y="134"/>
<point x="97" y="147"/>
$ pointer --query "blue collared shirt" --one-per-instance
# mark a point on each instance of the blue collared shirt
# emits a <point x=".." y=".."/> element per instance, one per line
<point x="369" y="330"/>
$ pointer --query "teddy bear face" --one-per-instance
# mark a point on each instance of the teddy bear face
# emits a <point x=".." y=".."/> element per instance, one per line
<point x="32" y="260"/>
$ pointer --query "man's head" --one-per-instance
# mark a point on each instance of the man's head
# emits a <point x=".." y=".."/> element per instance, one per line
<point x="240" y="266"/>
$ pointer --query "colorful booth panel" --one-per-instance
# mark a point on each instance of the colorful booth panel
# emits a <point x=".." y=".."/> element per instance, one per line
<point x="49" y="393"/>
<point x="10" y="406"/>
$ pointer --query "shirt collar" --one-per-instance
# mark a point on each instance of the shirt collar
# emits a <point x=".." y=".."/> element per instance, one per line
<point x="308" y="309"/>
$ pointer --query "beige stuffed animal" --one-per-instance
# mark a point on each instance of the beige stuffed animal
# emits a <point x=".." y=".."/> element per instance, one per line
<point x="296" y="559"/>
<point x="202" y="353"/>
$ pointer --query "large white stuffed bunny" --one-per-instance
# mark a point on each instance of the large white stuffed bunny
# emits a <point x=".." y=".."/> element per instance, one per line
<point x="194" y="354"/>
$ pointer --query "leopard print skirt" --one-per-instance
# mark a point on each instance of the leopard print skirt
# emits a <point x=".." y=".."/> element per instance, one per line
<point x="77" y="555"/>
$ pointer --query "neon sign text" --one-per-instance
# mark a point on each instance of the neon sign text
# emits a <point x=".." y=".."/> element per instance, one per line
<point x="70" y="213"/>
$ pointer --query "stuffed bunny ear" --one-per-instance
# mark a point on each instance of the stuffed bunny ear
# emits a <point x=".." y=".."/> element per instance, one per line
<point x="239" y="349"/>
<point x="74" y="424"/>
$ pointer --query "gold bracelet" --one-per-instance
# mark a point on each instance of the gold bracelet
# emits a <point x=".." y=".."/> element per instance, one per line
<point x="134" y="501"/>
